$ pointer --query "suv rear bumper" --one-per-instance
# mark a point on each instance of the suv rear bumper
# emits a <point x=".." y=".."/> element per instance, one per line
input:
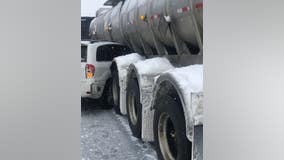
<point x="86" y="88"/>
<point x="91" y="88"/>
<point x="97" y="88"/>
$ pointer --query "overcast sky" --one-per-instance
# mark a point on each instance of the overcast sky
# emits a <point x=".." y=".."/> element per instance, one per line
<point x="89" y="7"/>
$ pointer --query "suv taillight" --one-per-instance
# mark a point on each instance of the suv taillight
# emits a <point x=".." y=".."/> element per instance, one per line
<point x="90" y="70"/>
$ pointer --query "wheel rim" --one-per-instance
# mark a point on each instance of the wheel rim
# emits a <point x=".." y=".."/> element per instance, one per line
<point x="132" y="108"/>
<point x="167" y="137"/>
<point x="115" y="92"/>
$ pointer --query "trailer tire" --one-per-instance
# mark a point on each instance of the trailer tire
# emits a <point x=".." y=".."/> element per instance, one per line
<point x="169" y="130"/>
<point x="116" y="91"/>
<point x="134" y="107"/>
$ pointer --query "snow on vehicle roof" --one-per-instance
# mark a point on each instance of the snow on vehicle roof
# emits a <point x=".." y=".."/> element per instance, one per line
<point x="104" y="42"/>
<point x="91" y="42"/>
<point x="85" y="42"/>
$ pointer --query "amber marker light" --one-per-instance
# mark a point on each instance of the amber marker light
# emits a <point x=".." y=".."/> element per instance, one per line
<point x="142" y="18"/>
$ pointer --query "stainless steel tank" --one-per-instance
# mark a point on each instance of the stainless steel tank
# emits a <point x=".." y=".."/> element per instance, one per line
<point x="92" y="29"/>
<point x="131" y="27"/>
<point x="115" y="29"/>
<point x="146" y="25"/>
<point x="99" y="29"/>
<point x="106" y="25"/>
<point x="142" y="26"/>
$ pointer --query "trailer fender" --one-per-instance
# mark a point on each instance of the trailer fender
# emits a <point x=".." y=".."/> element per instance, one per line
<point x="187" y="82"/>
<point x="122" y="63"/>
<point x="146" y="72"/>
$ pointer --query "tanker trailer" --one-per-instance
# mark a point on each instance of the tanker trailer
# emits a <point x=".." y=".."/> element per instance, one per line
<point x="160" y="87"/>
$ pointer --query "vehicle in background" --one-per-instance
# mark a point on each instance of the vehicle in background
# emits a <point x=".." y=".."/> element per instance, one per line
<point x="85" y="23"/>
<point x="96" y="59"/>
<point x="161" y="88"/>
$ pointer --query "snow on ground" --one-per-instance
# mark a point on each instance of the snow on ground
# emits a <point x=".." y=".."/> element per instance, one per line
<point x="107" y="136"/>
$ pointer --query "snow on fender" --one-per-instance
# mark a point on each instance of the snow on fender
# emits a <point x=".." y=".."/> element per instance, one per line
<point x="146" y="72"/>
<point x="188" y="82"/>
<point x="122" y="64"/>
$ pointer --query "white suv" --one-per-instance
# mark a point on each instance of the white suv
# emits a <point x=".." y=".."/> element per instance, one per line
<point x="96" y="58"/>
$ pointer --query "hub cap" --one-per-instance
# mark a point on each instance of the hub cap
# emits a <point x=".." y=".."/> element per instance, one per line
<point x="167" y="137"/>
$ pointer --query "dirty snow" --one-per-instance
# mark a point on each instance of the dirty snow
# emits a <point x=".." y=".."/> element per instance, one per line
<point x="190" y="81"/>
<point x="126" y="60"/>
<point x="123" y="63"/>
<point x="189" y="78"/>
<point x="148" y="70"/>
<point x="107" y="136"/>
<point x="153" y="65"/>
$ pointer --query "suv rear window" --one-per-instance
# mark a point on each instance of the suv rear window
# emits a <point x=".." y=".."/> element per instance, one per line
<point x="83" y="53"/>
<point x="110" y="51"/>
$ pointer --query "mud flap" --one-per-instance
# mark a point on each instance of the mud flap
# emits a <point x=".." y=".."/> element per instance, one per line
<point x="198" y="143"/>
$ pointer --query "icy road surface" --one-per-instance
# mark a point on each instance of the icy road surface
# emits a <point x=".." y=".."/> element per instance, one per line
<point x="107" y="136"/>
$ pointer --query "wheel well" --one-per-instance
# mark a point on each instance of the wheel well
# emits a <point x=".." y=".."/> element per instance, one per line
<point x="132" y="75"/>
<point x="113" y="66"/>
<point x="166" y="88"/>
<point x="108" y="82"/>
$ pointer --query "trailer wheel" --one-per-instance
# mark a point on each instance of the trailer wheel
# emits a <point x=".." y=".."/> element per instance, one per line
<point x="134" y="107"/>
<point x="115" y="91"/>
<point x="169" y="130"/>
